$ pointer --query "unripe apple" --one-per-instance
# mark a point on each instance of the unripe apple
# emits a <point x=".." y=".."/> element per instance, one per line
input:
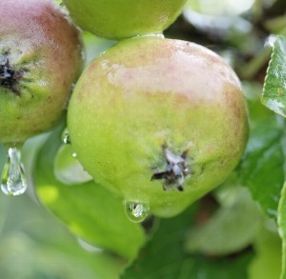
<point x="40" y="58"/>
<point x="159" y="121"/>
<point x="124" y="18"/>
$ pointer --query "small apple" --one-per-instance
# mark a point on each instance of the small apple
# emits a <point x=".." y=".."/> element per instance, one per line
<point x="40" y="58"/>
<point x="118" y="19"/>
<point x="159" y="121"/>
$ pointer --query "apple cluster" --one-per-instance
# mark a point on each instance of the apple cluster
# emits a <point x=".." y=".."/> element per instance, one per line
<point x="159" y="122"/>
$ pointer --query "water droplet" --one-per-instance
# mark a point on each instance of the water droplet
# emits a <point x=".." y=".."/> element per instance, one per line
<point x="74" y="155"/>
<point x="66" y="137"/>
<point x="137" y="212"/>
<point x="13" y="180"/>
<point x="68" y="169"/>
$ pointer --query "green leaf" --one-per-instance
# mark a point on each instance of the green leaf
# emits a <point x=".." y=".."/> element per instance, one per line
<point x="220" y="235"/>
<point x="164" y="256"/>
<point x="274" y="92"/>
<point x="267" y="262"/>
<point x="89" y="210"/>
<point x="35" y="245"/>
<point x="261" y="169"/>
<point x="282" y="228"/>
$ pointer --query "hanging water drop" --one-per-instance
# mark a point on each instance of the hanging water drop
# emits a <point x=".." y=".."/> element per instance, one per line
<point x="66" y="137"/>
<point x="137" y="212"/>
<point x="68" y="169"/>
<point x="13" y="180"/>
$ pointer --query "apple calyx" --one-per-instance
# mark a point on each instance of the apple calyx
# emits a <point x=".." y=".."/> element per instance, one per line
<point x="175" y="172"/>
<point x="9" y="78"/>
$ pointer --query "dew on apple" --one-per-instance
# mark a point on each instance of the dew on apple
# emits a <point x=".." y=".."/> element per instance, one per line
<point x="66" y="137"/>
<point x="13" y="179"/>
<point x="137" y="212"/>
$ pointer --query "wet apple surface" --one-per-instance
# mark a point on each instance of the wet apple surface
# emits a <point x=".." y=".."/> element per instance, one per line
<point x="159" y="121"/>
<point x="124" y="18"/>
<point x="40" y="58"/>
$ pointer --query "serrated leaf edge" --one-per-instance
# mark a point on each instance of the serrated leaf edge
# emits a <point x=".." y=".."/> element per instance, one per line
<point x="264" y="100"/>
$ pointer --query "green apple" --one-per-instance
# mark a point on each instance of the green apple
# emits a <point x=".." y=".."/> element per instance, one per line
<point x="124" y="18"/>
<point x="40" y="58"/>
<point x="159" y="121"/>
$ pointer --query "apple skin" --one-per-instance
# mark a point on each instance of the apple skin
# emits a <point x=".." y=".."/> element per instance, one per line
<point x="117" y="19"/>
<point x="41" y="51"/>
<point x="145" y="93"/>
